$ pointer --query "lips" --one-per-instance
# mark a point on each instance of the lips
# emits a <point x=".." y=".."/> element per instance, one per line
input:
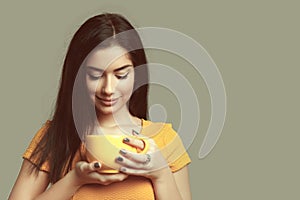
<point x="107" y="102"/>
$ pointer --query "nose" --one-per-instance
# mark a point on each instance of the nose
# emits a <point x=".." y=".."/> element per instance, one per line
<point x="107" y="86"/>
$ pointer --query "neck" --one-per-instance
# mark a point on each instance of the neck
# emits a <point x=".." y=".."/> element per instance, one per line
<point x="122" y="117"/>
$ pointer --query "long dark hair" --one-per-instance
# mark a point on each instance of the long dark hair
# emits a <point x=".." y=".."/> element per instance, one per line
<point x="61" y="140"/>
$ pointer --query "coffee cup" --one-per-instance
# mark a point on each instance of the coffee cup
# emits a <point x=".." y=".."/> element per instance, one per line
<point x="106" y="148"/>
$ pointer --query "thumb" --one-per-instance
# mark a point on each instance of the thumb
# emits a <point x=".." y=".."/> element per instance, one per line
<point x="85" y="167"/>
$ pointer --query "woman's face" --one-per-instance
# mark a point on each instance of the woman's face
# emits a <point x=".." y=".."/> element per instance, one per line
<point x="110" y="79"/>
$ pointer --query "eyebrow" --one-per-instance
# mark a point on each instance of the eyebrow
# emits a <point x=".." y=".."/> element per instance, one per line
<point x="101" y="70"/>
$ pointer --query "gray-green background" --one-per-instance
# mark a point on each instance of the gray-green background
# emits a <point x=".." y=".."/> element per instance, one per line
<point x="255" y="44"/>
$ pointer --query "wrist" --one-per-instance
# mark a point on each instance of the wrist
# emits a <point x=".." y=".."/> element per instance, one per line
<point x="74" y="179"/>
<point x="165" y="186"/>
<point x="163" y="175"/>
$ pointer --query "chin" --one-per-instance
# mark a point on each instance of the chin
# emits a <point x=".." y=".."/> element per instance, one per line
<point x="107" y="110"/>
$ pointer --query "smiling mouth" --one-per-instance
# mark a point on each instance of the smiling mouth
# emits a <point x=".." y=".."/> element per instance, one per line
<point x="107" y="102"/>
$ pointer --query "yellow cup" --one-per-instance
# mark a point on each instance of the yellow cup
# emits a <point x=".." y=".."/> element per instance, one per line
<point x="106" y="148"/>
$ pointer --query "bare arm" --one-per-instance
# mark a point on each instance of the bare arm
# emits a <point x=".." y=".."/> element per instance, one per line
<point x="28" y="186"/>
<point x="183" y="183"/>
<point x="173" y="185"/>
<point x="167" y="185"/>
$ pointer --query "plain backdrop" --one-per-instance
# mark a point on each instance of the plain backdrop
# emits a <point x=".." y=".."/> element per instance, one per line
<point x="255" y="45"/>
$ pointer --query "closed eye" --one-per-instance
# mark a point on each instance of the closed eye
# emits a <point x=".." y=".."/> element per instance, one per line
<point x="95" y="76"/>
<point x="122" y="76"/>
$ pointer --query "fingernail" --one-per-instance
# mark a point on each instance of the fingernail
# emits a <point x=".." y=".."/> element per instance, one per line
<point x="122" y="169"/>
<point x="125" y="140"/>
<point x="119" y="159"/>
<point x="97" y="165"/>
<point x="135" y="132"/>
<point x="122" y="151"/>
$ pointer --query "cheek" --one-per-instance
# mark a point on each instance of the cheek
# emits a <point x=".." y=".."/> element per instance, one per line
<point x="91" y="87"/>
<point x="126" y="87"/>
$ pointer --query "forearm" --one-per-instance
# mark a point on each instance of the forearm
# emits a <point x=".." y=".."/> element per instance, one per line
<point x="64" y="189"/>
<point x="165" y="187"/>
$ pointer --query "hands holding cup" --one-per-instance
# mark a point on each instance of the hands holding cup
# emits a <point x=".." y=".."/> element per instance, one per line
<point x="138" y="155"/>
<point x="150" y="164"/>
<point x="101" y="153"/>
<point x="88" y="173"/>
<point x="106" y="148"/>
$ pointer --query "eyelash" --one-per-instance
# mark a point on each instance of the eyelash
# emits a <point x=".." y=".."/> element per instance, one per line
<point x="122" y="77"/>
<point x="94" y="77"/>
<point x="118" y="76"/>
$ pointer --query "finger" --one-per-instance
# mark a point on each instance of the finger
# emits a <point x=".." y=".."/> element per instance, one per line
<point x="130" y="171"/>
<point x="116" y="177"/>
<point x="131" y="164"/>
<point x="140" y="158"/>
<point x="88" y="167"/>
<point x="135" y="133"/>
<point x="106" y="179"/>
<point x="137" y="143"/>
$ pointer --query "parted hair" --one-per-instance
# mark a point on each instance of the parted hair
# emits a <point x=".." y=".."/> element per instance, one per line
<point x="61" y="139"/>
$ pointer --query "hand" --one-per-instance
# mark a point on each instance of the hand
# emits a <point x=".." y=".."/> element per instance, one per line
<point x="151" y="165"/>
<point x="86" y="173"/>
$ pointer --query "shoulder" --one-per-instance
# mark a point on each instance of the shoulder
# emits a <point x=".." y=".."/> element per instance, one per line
<point x="41" y="132"/>
<point x="44" y="127"/>
<point x="158" y="130"/>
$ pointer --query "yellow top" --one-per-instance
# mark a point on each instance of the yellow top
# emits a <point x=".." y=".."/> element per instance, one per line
<point x="134" y="187"/>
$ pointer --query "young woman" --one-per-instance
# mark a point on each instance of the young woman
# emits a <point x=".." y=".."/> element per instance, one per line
<point x="104" y="87"/>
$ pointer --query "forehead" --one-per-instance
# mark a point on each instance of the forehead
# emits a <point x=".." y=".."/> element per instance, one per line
<point x="108" y="58"/>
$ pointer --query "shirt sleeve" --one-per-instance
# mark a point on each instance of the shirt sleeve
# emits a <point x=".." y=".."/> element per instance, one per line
<point x="33" y="144"/>
<point x="173" y="149"/>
